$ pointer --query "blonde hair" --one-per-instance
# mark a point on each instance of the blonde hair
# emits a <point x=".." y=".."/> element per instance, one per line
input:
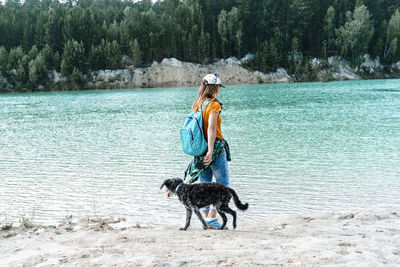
<point x="209" y="91"/>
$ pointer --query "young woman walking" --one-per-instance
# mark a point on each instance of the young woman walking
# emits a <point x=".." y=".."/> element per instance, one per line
<point x="215" y="161"/>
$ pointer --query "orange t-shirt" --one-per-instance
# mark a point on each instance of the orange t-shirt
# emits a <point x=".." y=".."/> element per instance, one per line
<point x="213" y="107"/>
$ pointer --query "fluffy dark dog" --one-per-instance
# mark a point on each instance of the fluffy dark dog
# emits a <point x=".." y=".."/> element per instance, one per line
<point x="196" y="196"/>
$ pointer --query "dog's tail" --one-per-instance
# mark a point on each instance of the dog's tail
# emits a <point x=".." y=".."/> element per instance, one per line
<point x="238" y="204"/>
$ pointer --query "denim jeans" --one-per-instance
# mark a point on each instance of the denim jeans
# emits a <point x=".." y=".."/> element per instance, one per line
<point x="219" y="169"/>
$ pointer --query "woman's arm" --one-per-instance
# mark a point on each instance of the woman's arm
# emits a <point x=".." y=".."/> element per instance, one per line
<point x="211" y="135"/>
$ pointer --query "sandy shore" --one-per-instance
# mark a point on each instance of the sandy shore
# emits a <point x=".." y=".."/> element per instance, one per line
<point x="356" y="238"/>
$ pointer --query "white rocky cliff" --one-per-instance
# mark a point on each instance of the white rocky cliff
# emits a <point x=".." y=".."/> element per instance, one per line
<point x="172" y="72"/>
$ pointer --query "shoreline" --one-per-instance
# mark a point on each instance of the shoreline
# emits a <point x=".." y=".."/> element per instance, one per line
<point x="344" y="238"/>
<point x="397" y="76"/>
<point x="171" y="72"/>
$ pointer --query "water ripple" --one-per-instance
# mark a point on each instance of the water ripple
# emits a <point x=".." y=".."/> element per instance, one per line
<point x="295" y="148"/>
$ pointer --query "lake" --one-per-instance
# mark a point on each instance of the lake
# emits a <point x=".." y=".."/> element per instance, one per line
<point x="296" y="148"/>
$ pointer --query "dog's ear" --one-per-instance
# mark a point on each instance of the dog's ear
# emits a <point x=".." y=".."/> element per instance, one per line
<point x="163" y="183"/>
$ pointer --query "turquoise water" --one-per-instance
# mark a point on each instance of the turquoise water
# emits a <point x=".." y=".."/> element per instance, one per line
<point x="305" y="147"/>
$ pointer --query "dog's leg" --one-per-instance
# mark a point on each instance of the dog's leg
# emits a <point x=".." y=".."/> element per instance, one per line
<point x="188" y="217"/>
<point x="224" y="219"/>
<point x="226" y="208"/>
<point x="197" y="211"/>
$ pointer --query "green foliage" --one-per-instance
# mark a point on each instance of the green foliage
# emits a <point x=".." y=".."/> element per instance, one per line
<point x="90" y="34"/>
<point x="135" y="53"/>
<point x="23" y="71"/>
<point x="73" y="57"/>
<point x="75" y="79"/>
<point x="26" y="222"/>
<point x="394" y="26"/>
<point x="205" y="53"/>
<point x="13" y="57"/>
<point x="34" y="52"/>
<point x="355" y="35"/>
<point x="54" y="27"/>
<point x="3" y="59"/>
<point x="96" y="57"/>
<point x="393" y="35"/>
<point x="329" y="30"/>
<point x="267" y="58"/>
<point x="113" y="54"/>
<point x="37" y="72"/>
<point x="105" y="55"/>
<point x="68" y="218"/>
<point x="3" y="83"/>
<point x="230" y="31"/>
<point x="57" y="61"/>
<point x="48" y="56"/>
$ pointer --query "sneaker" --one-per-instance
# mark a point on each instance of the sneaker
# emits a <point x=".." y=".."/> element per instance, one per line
<point x="214" y="224"/>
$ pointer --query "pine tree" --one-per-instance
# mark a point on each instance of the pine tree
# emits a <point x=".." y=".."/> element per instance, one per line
<point x="95" y="56"/>
<point x="37" y="72"/>
<point x="34" y="52"/>
<point x="135" y="53"/>
<point x="14" y="57"/>
<point x="329" y="29"/>
<point x="57" y="61"/>
<point x="114" y="55"/>
<point x="73" y="57"/>
<point x="274" y="60"/>
<point x="48" y="54"/>
<point x="3" y="60"/>
<point x="230" y="32"/>
<point x="75" y="79"/>
<point x="203" y="48"/>
<point x="40" y="31"/>
<point x="54" y="27"/>
<point x="23" y="72"/>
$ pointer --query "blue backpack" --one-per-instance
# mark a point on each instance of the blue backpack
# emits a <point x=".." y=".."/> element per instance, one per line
<point x="193" y="141"/>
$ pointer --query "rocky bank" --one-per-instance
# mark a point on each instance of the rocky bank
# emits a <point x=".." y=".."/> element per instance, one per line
<point x="174" y="73"/>
<point x="171" y="72"/>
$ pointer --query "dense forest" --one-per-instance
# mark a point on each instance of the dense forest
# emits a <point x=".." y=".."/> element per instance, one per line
<point x="75" y="37"/>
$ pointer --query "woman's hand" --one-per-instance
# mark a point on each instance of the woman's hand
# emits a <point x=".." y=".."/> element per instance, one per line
<point x="208" y="158"/>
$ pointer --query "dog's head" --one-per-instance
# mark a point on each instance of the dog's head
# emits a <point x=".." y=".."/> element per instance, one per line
<point x="171" y="185"/>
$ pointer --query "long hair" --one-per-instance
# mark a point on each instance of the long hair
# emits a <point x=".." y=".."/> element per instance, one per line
<point x="205" y="91"/>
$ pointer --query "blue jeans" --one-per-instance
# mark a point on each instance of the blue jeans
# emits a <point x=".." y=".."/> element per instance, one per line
<point x="219" y="169"/>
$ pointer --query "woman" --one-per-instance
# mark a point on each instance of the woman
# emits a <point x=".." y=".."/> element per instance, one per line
<point x="214" y="162"/>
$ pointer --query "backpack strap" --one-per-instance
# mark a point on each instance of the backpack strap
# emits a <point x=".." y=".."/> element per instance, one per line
<point x="205" y="105"/>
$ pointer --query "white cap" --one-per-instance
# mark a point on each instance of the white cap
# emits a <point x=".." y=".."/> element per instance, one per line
<point x="213" y="79"/>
